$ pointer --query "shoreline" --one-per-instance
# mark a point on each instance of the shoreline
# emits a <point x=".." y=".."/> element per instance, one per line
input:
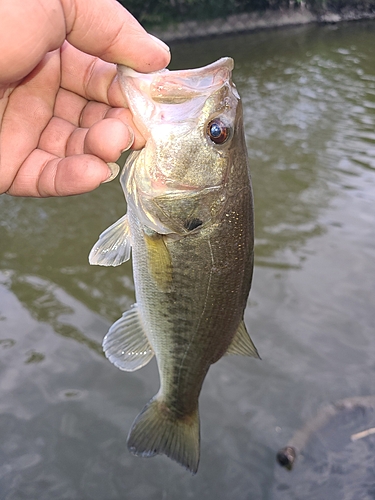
<point x="247" y="22"/>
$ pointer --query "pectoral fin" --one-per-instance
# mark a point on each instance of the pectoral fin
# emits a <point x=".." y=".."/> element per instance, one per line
<point x="242" y="343"/>
<point x="113" y="246"/>
<point x="126" y="344"/>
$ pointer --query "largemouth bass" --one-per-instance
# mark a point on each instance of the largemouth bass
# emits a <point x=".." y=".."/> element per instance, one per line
<point x="189" y="225"/>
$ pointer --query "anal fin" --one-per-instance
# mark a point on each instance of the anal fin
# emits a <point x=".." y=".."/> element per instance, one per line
<point x="242" y="343"/>
<point x="126" y="344"/>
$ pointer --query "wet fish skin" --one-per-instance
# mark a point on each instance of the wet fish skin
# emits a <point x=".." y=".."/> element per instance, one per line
<point x="190" y="226"/>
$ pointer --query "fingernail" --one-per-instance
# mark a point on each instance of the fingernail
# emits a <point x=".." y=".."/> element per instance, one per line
<point x="131" y="140"/>
<point x="114" y="169"/>
<point x="160" y="43"/>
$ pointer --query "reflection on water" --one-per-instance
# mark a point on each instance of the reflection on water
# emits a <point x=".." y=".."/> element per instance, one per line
<point x="337" y="458"/>
<point x="309" y="110"/>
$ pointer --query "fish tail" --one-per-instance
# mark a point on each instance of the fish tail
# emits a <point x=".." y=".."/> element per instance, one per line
<point x="157" y="430"/>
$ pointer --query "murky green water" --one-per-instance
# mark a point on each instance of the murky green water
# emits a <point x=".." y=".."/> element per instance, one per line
<point x="309" y="98"/>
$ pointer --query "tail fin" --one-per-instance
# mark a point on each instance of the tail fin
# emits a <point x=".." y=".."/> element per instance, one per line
<point x="157" y="431"/>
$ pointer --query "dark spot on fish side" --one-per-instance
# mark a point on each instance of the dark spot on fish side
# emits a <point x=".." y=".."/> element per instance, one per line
<point x="191" y="224"/>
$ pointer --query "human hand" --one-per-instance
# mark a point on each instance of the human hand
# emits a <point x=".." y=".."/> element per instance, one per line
<point x="61" y="110"/>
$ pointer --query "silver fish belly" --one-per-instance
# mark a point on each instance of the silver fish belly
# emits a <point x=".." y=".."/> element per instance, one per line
<point x="189" y="226"/>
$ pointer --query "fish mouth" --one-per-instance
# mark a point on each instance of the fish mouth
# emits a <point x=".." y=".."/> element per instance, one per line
<point x="177" y="86"/>
<point x="165" y="90"/>
<point x="174" y="87"/>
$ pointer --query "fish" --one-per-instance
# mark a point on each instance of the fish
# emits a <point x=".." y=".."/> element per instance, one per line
<point x="189" y="229"/>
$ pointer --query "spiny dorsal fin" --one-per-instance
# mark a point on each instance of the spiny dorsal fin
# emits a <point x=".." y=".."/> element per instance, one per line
<point x="126" y="344"/>
<point x="242" y="343"/>
<point x="158" y="431"/>
<point x="113" y="246"/>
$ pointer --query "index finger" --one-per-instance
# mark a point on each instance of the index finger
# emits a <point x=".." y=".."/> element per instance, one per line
<point x="89" y="77"/>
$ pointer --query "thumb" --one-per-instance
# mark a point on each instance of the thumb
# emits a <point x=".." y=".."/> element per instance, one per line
<point x="105" y="29"/>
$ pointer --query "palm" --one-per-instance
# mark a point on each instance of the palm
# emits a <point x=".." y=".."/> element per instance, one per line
<point x="47" y="117"/>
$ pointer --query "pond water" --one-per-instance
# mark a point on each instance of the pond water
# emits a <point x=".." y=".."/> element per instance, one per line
<point x="65" y="411"/>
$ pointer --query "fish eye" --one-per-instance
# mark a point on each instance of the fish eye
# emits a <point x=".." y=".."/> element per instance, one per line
<point x="217" y="131"/>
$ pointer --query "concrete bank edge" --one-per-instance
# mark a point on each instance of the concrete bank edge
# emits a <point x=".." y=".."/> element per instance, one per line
<point x="247" y="22"/>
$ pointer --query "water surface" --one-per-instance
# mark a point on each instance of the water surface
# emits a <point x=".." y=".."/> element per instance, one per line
<point x="65" y="411"/>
